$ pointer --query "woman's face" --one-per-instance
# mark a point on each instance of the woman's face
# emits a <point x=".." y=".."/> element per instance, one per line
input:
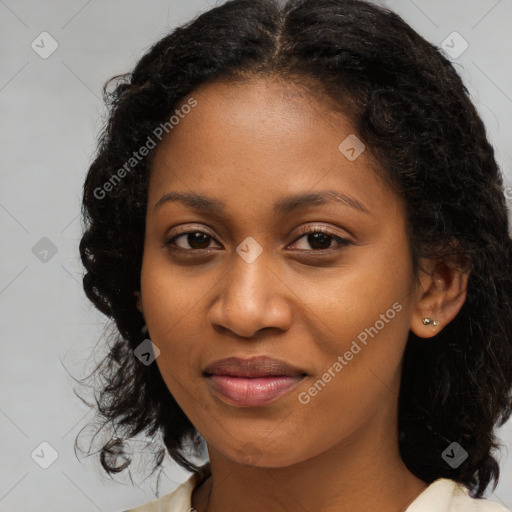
<point x="251" y="283"/>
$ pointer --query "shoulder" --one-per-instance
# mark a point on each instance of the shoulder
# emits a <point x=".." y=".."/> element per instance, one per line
<point x="446" y="495"/>
<point x="180" y="500"/>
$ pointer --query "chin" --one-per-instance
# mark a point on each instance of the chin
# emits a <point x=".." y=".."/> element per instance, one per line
<point x="266" y="456"/>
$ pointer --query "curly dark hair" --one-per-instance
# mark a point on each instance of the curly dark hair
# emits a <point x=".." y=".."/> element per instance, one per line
<point x="412" y="111"/>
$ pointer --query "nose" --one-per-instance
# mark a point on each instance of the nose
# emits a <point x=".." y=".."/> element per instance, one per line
<point x="251" y="297"/>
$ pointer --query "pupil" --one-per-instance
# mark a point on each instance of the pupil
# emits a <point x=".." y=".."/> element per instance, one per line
<point x="198" y="240"/>
<point x="318" y="238"/>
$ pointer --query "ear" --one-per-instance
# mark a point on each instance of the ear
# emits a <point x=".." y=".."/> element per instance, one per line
<point x="441" y="294"/>
<point x="139" y="302"/>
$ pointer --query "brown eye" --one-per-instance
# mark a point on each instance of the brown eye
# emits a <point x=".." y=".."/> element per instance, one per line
<point x="320" y="238"/>
<point x="196" y="240"/>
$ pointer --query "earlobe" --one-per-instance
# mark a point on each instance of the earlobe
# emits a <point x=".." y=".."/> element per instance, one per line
<point x="441" y="295"/>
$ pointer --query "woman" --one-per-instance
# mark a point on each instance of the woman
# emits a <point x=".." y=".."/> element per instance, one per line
<point x="298" y="226"/>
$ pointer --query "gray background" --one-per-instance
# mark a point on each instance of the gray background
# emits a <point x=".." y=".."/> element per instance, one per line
<point x="50" y="116"/>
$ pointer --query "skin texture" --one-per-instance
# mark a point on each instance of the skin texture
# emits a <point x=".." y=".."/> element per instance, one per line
<point x="249" y="144"/>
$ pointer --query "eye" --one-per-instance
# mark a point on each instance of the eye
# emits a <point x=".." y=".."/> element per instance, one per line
<point x="196" y="240"/>
<point x="320" y="238"/>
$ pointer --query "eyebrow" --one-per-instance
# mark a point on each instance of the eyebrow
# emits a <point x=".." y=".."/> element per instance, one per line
<point x="283" y="206"/>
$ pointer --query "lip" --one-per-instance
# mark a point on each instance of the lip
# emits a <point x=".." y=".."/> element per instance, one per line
<point x="260" y="366"/>
<point x="252" y="382"/>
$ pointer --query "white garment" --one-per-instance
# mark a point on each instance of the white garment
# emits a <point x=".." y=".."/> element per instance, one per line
<point x="443" y="495"/>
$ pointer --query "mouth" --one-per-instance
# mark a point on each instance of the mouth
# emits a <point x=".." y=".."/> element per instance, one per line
<point x="252" y="382"/>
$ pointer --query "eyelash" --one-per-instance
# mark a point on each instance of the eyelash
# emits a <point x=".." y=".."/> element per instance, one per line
<point x="342" y="242"/>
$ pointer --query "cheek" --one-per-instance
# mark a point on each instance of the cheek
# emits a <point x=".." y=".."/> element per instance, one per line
<point x="172" y="305"/>
<point x="171" y="294"/>
<point x="357" y="382"/>
<point x="365" y="315"/>
<point x="369" y="295"/>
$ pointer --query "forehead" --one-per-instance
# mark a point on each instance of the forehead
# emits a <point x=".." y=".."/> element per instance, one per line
<point x="254" y="141"/>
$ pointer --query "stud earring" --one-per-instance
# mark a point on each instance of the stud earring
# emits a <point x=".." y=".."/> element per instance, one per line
<point x="144" y="329"/>
<point x="429" y="321"/>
